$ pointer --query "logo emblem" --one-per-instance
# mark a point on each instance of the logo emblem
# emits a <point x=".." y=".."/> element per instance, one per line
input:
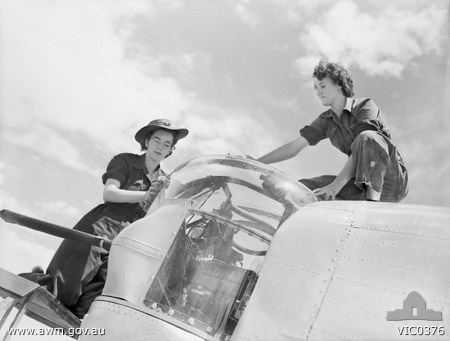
<point x="166" y="123"/>
<point x="414" y="308"/>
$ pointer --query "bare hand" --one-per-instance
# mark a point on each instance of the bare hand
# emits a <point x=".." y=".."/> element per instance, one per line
<point x="154" y="190"/>
<point x="328" y="192"/>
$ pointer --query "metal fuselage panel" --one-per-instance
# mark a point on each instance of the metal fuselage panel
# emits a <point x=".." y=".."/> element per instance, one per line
<point x="124" y="321"/>
<point x="334" y="270"/>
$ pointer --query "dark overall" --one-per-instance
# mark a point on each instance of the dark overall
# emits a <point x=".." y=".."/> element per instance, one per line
<point x="360" y="132"/>
<point x="79" y="271"/>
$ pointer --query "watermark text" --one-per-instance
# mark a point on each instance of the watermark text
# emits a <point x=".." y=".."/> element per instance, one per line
<point x="71" y="332"/>
<point x="420" y="330"/>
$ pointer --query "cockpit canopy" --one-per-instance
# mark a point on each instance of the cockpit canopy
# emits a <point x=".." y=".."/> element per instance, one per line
<point x="232" y="208"/>
<point x="255" y="196"/>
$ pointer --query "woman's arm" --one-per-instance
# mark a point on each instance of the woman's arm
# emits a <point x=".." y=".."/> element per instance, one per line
<point x="330" y="191"/>
<point x="113" y="193"/>
<point x="285" y="152"/>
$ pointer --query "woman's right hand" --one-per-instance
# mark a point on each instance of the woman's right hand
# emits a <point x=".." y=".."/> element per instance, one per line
<point x="154" y="190"/>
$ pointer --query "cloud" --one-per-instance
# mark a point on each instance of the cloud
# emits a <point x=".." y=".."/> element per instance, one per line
<point x="20" y="255"/>
<point x="70" y="93"/>
<point x="244" y="13"/>
<point x="14" y="238"/>
<point x="183" y="66"/>
<point x="218" y="131"/>
<point x="72" y="72"/>
<point x="78" y="78"/>
<point x="49" y="143"/>
<point x="2" y="178"/>
<point x="296" y="12"/>
<point x="380" y="43"/>
<point x="60" y="208"/>
<point x="12" y="204"/>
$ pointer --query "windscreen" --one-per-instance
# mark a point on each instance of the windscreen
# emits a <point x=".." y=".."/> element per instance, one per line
<point x="239" y="189"/>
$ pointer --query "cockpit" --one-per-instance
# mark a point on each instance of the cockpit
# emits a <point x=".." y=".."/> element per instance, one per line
<point x="234" y="207"/>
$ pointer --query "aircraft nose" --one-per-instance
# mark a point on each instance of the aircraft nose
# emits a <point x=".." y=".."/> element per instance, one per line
<point x="144" y="247"/>
<point x="119" y="320"/>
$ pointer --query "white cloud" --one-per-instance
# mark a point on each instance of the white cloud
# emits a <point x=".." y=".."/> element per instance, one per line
<point x="72" y="74"/>
<point x="7" y="202"/>
<point x="60" y="208"/>
<point x="235" y="132"/>
<point x="305" y="66"/>
<point x="183" y="65"/>
<point x="17" y="242"/>
<point x="52" y="144"/>
<point x="380" y="43"/>
<point x="244" y="13"/>
<point x="20" y="255"/>
<point x="63" y="63"/>
<point x="2" y="178"/>
<point x="164" y="4"/>
<point x="297" y="11"/>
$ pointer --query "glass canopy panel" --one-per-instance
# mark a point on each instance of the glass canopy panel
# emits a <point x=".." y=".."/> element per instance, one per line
<point x="210" y="271"/>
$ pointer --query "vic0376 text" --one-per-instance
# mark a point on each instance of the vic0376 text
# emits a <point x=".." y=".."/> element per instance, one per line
<point x="421" y="330"/>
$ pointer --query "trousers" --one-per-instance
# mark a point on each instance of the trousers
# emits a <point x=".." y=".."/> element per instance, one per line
<point x="78" y="270"/>
<point x="378" y="164"/>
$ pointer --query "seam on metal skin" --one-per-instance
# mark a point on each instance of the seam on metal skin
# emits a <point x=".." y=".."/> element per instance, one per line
<point x="396" y="244"/>
<point x="380" y="229"/>
<point x="398" y="292"/>
<point x="340" y="251"/>
<point x="128" y="313"/>
<point x="140" y="247"/>
<point x="122" y="311"/>
<point x="343" y="337"/>
<point x="396" y="266"/>
<point x="361" y="309"/>
<point x="139" y="314"/>
<point x="293" y="266"/>
<point x="114" y="308"/>
<point x="327" y="208"/>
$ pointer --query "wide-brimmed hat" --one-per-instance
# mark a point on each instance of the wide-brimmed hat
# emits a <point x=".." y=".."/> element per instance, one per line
<point x="159" y="124"/>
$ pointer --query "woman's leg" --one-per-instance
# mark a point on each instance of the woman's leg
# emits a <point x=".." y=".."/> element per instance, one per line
<point x="349" y="192"/>
<point x="75" y="264"/>
<point x="69" y="263"/>
<point x="372" y="194"/>
<point x="370" y="153"/>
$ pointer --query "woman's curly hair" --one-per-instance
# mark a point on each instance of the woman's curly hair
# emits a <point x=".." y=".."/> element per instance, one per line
<point x="337" y="73"/>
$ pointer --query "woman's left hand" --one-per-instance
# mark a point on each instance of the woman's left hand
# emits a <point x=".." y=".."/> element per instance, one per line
<point x="328" y="192"/>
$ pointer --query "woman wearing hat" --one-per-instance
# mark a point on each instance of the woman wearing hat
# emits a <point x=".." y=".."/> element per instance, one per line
<point x="79" y="271"/>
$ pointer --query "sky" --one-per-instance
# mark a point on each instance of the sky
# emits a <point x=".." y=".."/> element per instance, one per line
<point x="79" y="78"/>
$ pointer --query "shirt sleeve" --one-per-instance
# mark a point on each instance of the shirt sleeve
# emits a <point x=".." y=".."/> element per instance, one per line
<point x="316" y="131"/>
<point x="368" y="117"/>
<point x="117" y="169"/>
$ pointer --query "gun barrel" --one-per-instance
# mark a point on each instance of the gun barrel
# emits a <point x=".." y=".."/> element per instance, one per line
<point x="53" y="229"/>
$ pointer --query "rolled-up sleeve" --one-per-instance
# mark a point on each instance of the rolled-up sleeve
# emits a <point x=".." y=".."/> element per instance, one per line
<point x="117" y="169"/>
<point x="316" y="131"/>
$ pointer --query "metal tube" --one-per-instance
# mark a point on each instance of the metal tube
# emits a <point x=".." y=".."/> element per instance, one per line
<point x="55" y="230"/>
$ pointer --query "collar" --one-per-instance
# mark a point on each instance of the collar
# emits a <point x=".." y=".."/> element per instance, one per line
<point x="349" y="102"/>
<point x="140" y="164"/>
